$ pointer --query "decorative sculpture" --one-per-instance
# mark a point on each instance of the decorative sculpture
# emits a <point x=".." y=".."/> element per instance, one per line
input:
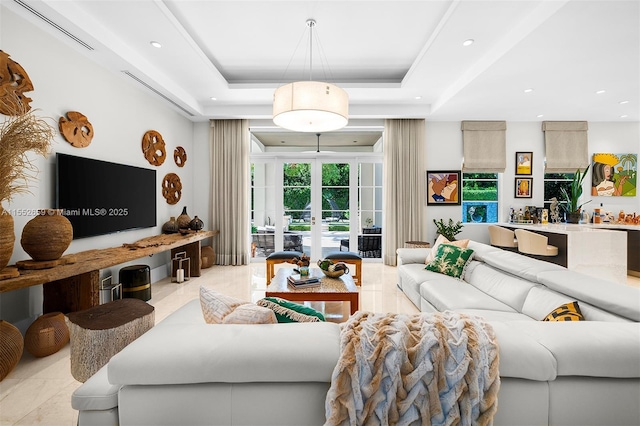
<point x="180" y="156"/>
<point x="14" y="82"/>
<point x="171" y="188"/>
<point x="555" y="210"/>
<point x="153" y="148"/>
<point x="77" y="130"/>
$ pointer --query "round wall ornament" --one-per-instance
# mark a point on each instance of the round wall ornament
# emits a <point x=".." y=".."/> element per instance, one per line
<point x="171" y="188"/>
<point x="76" y="129"/>
<point x="14" y="82"/>
<point x="180" y="156"/>
<point x="153" y="148"/>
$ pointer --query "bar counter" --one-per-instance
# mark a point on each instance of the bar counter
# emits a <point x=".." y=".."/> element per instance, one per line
<point x="598" y="250"/>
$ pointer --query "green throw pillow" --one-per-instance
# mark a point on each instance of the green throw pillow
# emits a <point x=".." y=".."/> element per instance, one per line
<point x="290" y="312"/>
<point x="450" y="260"/>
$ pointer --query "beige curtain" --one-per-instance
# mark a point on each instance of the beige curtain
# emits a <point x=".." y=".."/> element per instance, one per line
<point x="404" y="184"/>
<point x="566" y="146"/>
<point x="230" y="190"/>
<point x="485" y="146"/>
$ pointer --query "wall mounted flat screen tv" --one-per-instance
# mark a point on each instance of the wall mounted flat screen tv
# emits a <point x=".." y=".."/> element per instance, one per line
<point x="99" y="197"/>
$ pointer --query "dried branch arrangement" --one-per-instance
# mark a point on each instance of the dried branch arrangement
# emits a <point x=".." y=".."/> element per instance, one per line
<point x="20" y="134"/>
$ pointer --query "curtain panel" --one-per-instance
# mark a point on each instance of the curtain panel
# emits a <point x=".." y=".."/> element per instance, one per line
<point x="566" y="146"/>
<point x="404" y="184"/>
<point x="229" y="141"/>
<point x="484" y="146"/>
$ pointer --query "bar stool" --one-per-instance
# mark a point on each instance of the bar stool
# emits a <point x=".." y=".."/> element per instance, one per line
<point x="279" y="257"/>
<point x="350" y="258"/>
<point x="502" y="237"/>
<point x="534" y="243"/>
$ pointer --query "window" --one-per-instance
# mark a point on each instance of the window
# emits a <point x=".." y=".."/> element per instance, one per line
<point x="552" y="184"/>
<point x="479" y="197"/>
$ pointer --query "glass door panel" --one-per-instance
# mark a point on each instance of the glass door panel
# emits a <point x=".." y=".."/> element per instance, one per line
<point x="296" y="206"/>
<point x="263" y="209"/>
<point x="335" y="207"/>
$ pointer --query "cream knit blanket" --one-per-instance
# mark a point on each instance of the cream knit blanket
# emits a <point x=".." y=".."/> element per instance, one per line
<point x="430" y="369"/>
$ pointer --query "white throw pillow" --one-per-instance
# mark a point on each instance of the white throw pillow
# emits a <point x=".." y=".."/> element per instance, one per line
<point x="216" y="306"/>
<point x="443" y="240"/>
<point x="251" y="314"/>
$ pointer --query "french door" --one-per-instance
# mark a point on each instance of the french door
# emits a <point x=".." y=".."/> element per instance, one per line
<point x="313" y="205"/>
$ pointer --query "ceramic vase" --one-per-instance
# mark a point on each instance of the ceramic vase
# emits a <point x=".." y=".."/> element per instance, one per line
<point x="196" y="224"/>
<point x="7" y="237"/>
<point x="184" y="219"/>
<point x="170" y="226"/>
<point x="47" y="236"/>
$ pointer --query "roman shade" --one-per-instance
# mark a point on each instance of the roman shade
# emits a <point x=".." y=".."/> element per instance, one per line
<point x="566" y="146"/>
<point x="484" y="146"/>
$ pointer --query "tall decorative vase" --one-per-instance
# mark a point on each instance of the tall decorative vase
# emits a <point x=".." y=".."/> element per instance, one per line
<point x="7" y="237"/>
<point x="184" y="219"/>
<point x="47" y="236"/>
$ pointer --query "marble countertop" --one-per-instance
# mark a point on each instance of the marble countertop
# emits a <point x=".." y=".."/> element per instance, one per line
<point x="567" y="228"/>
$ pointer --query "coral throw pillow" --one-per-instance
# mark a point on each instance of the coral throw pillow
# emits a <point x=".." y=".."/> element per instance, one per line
<point x="444" y="240"/>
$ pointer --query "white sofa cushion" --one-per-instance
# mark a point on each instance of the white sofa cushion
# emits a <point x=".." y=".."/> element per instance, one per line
<point x="448" y="293"/>
<point x="616" y="298"/>
<point x="517" y="264"/>
<point x="504" y="287"/>
<point x="521" y="356"/>
<point x="203" y="353"/>
<point x="96" y="393"/>
<point x="588" y="348"/>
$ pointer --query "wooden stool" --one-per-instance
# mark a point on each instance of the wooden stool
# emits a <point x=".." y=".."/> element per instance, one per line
<point x="102" y="331"/>
<point x="351" y="258"/>
<point x="279" y="257"/>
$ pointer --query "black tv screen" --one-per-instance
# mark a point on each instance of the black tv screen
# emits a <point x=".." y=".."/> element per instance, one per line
<point x="99" y="197"/>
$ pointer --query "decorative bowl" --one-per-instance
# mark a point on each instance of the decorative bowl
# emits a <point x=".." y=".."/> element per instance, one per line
<point x="334" y="274"/>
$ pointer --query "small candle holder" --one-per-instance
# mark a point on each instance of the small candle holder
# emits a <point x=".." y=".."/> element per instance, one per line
<point x="179" y="273"/>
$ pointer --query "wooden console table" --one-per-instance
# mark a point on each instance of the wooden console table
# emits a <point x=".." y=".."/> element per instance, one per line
<point x="75" y="285"/>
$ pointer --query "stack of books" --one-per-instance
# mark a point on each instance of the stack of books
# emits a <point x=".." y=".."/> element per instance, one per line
<point x="297" y="281"/>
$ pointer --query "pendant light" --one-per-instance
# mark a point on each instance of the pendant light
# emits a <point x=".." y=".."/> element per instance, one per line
<point x="310" y="106"/>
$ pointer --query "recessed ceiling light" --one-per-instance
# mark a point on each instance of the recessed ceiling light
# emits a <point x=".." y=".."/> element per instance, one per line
<point x="418" y="98"/>
<point x="213" y="98"/>
<point x="600" y="92"/>
<point x="540" y="115"/>
<point x="623" y="102"/>
<point x="624" y="116"/>
<point x="528" y="90"/>
<point x="156" y="44"/>
<point x="468" y="42"/>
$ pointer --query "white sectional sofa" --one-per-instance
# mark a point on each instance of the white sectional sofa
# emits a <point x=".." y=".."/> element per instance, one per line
<point x="187" y="372"/>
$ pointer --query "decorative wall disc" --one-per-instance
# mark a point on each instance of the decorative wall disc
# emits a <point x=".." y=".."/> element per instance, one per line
<point x="180" y="156"/>
<point x="171" y="188"/>
<point x="153" y="148"/>
<point x="76" y="129"/>
<point x="14" y="81"/>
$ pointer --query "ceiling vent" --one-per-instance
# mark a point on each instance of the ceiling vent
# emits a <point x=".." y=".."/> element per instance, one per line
<point x="53" y="24"/>
<point x="158" y="93"/>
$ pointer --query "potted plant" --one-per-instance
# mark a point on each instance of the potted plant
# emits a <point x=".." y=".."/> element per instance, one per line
<point x="572" y="196"/>
<point x="448" y="230"/>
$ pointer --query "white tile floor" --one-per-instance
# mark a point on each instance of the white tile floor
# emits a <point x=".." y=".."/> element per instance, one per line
<point x="38" y="391"/>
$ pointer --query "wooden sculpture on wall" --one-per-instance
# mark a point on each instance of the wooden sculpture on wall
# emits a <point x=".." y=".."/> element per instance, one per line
<point x="77" y="130"/>
<point x="171" y="188"/>
<point x="14" y="82"/>
<point x="180" y="156"/>
<point x="153" y="148"/>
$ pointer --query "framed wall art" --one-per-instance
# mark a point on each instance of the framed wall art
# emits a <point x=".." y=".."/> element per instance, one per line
<point x="614" y="175"/>
<point x="524" y="160"/>
<point x="524" y="187"/>
<point x="443" y="187"/>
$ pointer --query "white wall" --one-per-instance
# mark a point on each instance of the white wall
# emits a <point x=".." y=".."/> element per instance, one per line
<point x="120" y="111"/>
<point x="444" y="152"/>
